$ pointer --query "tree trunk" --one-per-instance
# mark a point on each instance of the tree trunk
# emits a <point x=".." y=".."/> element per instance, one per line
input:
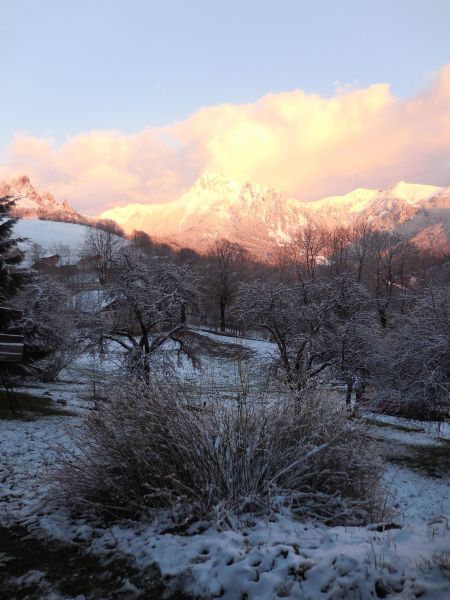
<point x="222" y="317"/>
<point x="348" y="394"/>
<point x="383" y="318"/>
<point x="360" y="391"/>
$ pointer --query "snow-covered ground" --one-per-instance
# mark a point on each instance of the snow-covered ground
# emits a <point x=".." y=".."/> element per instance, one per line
<point x="430" y="430"/>
<point x="276" y="557"/>
<point x="53" y="236"/>
<point x="235" y="363"/>
<point x="49" y="233"/>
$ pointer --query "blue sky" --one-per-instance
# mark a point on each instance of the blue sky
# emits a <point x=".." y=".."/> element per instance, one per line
<point x="70" y="66"/>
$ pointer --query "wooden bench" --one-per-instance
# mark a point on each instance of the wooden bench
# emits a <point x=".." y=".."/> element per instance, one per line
<point x="11" y="348"/>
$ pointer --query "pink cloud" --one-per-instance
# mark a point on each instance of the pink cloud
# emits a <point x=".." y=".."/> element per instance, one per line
<point x="306" y="145"/>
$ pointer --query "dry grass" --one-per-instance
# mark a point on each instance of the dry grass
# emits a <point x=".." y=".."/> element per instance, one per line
<point x="151" y="448"/>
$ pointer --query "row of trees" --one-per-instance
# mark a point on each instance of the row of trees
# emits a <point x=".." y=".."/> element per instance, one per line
<point x="381" y="261"/>
<point x="357" y="304"/>
<point x="353" y="303"/>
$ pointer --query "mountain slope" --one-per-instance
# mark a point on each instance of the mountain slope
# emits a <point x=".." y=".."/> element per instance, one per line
<point x="50" y="234"/>
<point x="215" y="207"/>
<point x="261" y="218"/>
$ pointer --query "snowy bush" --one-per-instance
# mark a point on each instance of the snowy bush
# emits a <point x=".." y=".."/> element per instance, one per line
<point x="414" y="361"/>
<point x="316" y="326"/>
<point x="151" y="448"/>
<point x="49" y="325"/>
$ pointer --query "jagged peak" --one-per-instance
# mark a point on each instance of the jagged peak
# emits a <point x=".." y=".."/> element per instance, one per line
<point x="211" y="181"/>
<point x="29" y="200"/>
<point x="22" y="180"/>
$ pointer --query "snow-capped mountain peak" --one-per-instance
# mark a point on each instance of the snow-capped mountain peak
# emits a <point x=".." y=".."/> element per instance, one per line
<point x="215" y="182"/>
<point x="412" y="193"/>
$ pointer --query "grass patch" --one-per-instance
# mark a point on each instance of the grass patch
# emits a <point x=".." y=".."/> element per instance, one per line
<point x="30" y="405"/>
<point x="396" y="426"/>
<point x="204" y="346"/>
<point x="69" y="571"/>
<point x="433" y="461"/>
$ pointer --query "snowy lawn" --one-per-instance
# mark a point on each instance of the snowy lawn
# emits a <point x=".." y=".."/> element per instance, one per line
<point x="276" y="557"/>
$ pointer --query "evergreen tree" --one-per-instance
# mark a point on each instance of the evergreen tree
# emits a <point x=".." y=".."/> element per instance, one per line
<point x="11" y="278"/>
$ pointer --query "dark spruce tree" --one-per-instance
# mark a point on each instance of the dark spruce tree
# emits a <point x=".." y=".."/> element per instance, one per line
<point x="12" y="278"/>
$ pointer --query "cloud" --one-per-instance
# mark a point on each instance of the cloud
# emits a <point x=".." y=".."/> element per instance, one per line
<point x="101" y="168"/>
<point x="306" y="145"/>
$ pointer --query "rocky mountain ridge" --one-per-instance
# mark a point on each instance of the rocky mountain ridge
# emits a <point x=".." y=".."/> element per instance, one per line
<point x="261" y="218"/>
<point x="32" y="204"/>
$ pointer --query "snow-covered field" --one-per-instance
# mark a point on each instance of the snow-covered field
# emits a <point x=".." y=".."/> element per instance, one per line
<point x="49" y="233"/>
<point x="53" y="237"/>
<point x="273" y="557"/>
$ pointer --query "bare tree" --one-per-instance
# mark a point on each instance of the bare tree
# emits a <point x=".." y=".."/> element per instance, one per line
<point x="111" y="226"/>
<point x="307" y="246"/>
<point x="310" y="336"/>
<point x="102" y="248"/>
<point x="338" y="254"/>
<point x="392" y="258"/>
<point x="361" y="247"/>
<point x="49" y="324"/>
<point x="227" y="265"/>
<point x="64" y="251"/>
<point x="36" y="252"/>
<point x="143" y="241"/>
<point x="147" y="306"/>
<point x="299" y="259"/>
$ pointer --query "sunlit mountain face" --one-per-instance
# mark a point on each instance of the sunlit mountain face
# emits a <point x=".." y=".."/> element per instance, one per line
<point x="261" y="218"/>
<point x="31" y="203"/>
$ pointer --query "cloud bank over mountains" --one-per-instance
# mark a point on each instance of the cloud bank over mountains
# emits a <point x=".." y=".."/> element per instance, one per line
<point x="304" y="144"/>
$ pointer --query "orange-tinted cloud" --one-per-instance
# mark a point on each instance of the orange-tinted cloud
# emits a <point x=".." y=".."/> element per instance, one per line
<point x="305" y="145"/>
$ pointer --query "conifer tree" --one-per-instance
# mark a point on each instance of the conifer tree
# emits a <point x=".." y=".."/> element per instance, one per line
<point x="11" y="278"/>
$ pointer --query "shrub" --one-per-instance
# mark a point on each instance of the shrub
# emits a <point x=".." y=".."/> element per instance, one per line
<point x="152" y="448"/>
<point x="412" y="373"/>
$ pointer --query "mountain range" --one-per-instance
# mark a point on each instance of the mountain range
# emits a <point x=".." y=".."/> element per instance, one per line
<point x="259" y="217"/>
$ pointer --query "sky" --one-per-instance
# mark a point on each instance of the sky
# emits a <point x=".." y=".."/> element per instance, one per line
<point x="119" y="101"/>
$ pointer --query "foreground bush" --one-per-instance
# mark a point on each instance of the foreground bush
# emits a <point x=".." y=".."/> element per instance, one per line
<point x="151" y="448"/>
